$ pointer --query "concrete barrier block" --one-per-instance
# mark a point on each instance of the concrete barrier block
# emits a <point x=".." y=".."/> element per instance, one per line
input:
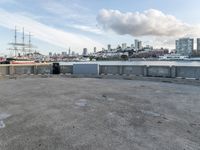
<point x="86" y="69"/>
<point x="24" y="70"/>
<point x="145" y="71"/>
<point x="159" y="71"/>
<point x="43" y="69"/>
<point x="110" y="70"/>
<point x="66" y="69"/>
<point x="4" y="70"/>
<point x="188" y="72"/>
<point x="173" y="72"/>
<point x="133" y="70"/>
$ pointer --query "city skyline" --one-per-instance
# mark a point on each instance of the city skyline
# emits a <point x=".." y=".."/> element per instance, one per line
<point x="58" y="25"/>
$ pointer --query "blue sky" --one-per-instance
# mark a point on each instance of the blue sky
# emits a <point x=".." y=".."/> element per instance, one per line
<point x="57" y="25"/>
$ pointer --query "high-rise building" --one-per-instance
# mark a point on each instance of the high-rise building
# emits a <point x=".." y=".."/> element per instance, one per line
<point x="124" y="46"/>
<point x="109" y="47"/>
<point x="50" y="54"/>
<point x="85" y="52"/>
<point x="64" y="53"/>
<point x="184" y="46"/>
<point x="132" y="45"/>
<point x="95" y="49"/>
<point x="73" y="53"/>
<point x="69" y="51"/>
<point x="138" y="44"/>
<point x="198" y="45"/>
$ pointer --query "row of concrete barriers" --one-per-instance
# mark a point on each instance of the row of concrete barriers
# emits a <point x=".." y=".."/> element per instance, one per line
<point x="95" y="69"/>
<point x="20" y="69"/>
<point x="137" y="70"/>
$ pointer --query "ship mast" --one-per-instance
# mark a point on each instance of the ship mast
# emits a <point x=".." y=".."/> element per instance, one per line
<point x="15" y="47"/>
<point x="21" y="46"/>
<point x="29" y="41"/>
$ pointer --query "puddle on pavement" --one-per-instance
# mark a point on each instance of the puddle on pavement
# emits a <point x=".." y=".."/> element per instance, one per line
<point x="2" y="117"/>
<point x="2" y="124"/>
<point x="82" y="103"/>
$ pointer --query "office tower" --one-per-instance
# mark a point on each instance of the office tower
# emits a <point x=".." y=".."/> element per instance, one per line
<point x="124" y="46"/>
<point x="198" y="44"/>
<point x="50" y="54"/>
<point x="138" y="45"/>
<point x="85" y="52"/>
<point x="64" y="53"/>
<point x="69" y="51"/>
<point x="95" y="49"/>
<point x="132" y="45"/>
<point x="109" y="47"/>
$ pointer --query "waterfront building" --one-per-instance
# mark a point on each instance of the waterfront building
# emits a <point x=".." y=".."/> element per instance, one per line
<point x="64" y="53"/>
<point x="124" y="46"/>
<point x="198" y="45"/>
<point x="73" y="53"/>
<point x="85" y="51"/>
<point x="132" y="46"/>
<point x="95" y="49"/>
<point x="50" y="54"/>
<point x="69" y="51"/>
<point x="148" y="48"/>
<point x="155" y="53"/>
<point x="184" y="46"/>
<point x="138" y="45"/>
<point x="109" y="47"/>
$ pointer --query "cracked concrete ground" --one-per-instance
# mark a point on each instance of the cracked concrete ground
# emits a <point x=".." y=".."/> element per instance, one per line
<point x="98" y="114"/>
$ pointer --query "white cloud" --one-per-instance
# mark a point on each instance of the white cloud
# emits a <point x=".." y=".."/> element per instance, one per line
<point x="46" y="33"/>
<point x="149" y="23"/>
<point x="91" y="29"/>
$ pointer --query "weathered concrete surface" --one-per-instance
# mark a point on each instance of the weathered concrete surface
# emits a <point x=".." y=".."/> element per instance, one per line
<point x="188" y="72"/>
<point x="86" y="69"/>
<point x="159" y="71"/>
<point x="98" y="114"/>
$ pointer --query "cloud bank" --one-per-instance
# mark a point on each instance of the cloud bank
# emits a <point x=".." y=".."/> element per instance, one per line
<point x="149" y="23"/>
<point x="46" y="33"/>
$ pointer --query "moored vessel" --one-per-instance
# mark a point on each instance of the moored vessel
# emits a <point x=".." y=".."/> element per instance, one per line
<point x="21" y="50"/>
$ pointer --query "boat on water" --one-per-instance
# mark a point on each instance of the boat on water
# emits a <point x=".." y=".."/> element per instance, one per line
<point x="20" y="61"/>
<point x="173" y="57"/>
<point x="17" y="61"/>
<point x="22" y="50"/>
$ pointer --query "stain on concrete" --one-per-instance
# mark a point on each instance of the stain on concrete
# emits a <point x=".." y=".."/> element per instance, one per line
<point x="82" y="103"/>
<point x="3" y="116"/>
<point x="2" y="125"/>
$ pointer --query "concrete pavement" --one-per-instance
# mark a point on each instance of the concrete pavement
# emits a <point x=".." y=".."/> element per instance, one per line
<point x="98" y="114"/>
